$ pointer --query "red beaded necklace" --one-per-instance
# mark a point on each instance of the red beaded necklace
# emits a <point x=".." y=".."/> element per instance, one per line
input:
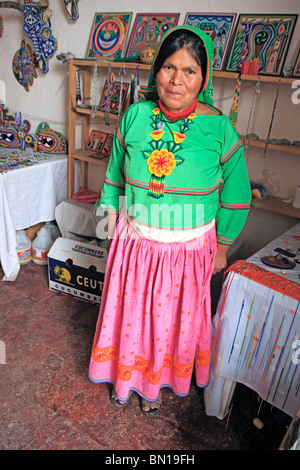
<point x="173" y="117"/>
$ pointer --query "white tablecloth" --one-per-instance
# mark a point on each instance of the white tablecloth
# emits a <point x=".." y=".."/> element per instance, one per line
<point x="256" y="333"/>
<point x="29" y="195"/>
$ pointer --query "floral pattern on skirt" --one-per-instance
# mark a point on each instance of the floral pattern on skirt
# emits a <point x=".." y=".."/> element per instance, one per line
<point x="154" y="324"/>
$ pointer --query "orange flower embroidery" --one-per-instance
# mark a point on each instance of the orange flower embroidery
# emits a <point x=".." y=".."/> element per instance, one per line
<point x="161" y="162"/>
<point x="155" y="111"/>
<point x="157" y="134"/>
<point x="178" y="137"/>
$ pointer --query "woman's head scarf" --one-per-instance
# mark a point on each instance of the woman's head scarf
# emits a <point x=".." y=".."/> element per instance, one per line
<point x="206" y="95"/>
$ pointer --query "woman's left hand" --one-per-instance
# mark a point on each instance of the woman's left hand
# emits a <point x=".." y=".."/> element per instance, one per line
<point x="220" y="258"/>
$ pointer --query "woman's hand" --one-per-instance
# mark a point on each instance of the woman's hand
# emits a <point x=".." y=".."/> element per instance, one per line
<point x="107" y="244"/>
<point x="220" y="258"/>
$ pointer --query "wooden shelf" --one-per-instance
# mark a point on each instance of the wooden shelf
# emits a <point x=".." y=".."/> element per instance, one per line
<point x="275" y="204"/>
<point x="267" y="78"/>
<point x="279" y="148"/>
<point x="216" y="73"/>
<point x="87" y="156"/>
<point x="105" y="63"/>
<point x="88" y="111"/>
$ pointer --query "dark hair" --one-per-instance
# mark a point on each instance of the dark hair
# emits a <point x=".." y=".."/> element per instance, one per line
<point x="180" y="39"/>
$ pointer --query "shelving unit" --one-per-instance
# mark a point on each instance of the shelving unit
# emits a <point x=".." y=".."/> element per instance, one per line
<point x="85" y="157"/>
<point x="85" y="114"/>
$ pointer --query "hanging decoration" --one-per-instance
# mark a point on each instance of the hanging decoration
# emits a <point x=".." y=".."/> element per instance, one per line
<point x="252" y="115"/>
<point x="72" y="10"/>
<point x="272" y="117"/>
<point x="110" y="83"/>
<point x="122" y="73"/>
<point x="24" y="66"/>
<point x="233" y="114"/>
<point x="37" y="27"/>
<point x="1" y="26"/>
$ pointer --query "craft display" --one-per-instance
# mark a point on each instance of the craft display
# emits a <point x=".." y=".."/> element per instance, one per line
<point x="148" y="29"/>
<point x="101" y="143"/>
<point x="219" y="27"/>
<point x="296" y="70"/>
<point x="24" y="66"/>
<point x="108" y="35"/>
<point x="113" y="96"/>
<point x="14" y="134"/>
<point x="37" y="27"/>
<point x="72" y="10"/>
<point x="265" y="38"/>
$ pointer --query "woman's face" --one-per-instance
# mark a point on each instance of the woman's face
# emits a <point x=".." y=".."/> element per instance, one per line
<point x="179" y="81"/>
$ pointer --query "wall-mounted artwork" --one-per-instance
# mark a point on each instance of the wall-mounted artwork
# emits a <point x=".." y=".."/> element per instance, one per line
<point x="100" y="142"/>
<point x="219" y="27"/>
<point x="265" y="38"/>
<point x="148" y="30"/>
<point x="296" y="71"/>
<point x="108" y="35"/>
<point x="116" y="99"/>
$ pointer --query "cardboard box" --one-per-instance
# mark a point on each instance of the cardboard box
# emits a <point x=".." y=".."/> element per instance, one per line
<point x="77" y="269"/>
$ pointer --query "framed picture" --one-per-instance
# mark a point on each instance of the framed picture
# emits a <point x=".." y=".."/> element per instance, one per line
<point x="296" y="71"/>
<point x="219" y="27"/>
<point x="110" y="98"/>
<point x="108" y="36"/>
<point x="100" y="143"/>
<point x="148" y="30"/>
<point x="265" y="38"/>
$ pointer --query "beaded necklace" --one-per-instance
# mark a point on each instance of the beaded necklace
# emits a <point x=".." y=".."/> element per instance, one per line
<point x="162" y="157"/>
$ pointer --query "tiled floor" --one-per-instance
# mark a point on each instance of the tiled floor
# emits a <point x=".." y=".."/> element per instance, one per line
<point x="48" y="402"/>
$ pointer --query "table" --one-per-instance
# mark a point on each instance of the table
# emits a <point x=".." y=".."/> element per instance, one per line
<point x="256" y="332"/>
<point x="28" y="195"/>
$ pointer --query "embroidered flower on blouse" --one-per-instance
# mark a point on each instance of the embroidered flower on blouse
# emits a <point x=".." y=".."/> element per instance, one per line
<point x="155" y="111"/>
<point x="161" y="162"/>
<point x="178" y="137"/>
<point x="157" y="134"/>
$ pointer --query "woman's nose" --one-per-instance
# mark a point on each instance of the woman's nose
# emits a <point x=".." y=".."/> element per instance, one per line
<point x="176" y="78"/>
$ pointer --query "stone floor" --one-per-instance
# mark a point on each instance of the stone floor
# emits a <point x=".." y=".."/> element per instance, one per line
<point x="48" y="402"/>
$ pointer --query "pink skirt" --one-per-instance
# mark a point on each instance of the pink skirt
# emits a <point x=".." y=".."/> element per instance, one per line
<point x="154" y="324"/>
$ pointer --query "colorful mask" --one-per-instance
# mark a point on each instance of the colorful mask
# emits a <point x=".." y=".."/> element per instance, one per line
<point x="50" y="141"/>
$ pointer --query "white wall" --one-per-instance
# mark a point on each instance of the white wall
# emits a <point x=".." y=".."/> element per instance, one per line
<point x="47" y="98"/>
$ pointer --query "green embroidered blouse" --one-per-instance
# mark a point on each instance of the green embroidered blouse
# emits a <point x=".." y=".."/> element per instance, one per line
<point x="168" y="175"/>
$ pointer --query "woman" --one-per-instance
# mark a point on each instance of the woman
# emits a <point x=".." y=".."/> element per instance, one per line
<point x="171" y="151"/>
